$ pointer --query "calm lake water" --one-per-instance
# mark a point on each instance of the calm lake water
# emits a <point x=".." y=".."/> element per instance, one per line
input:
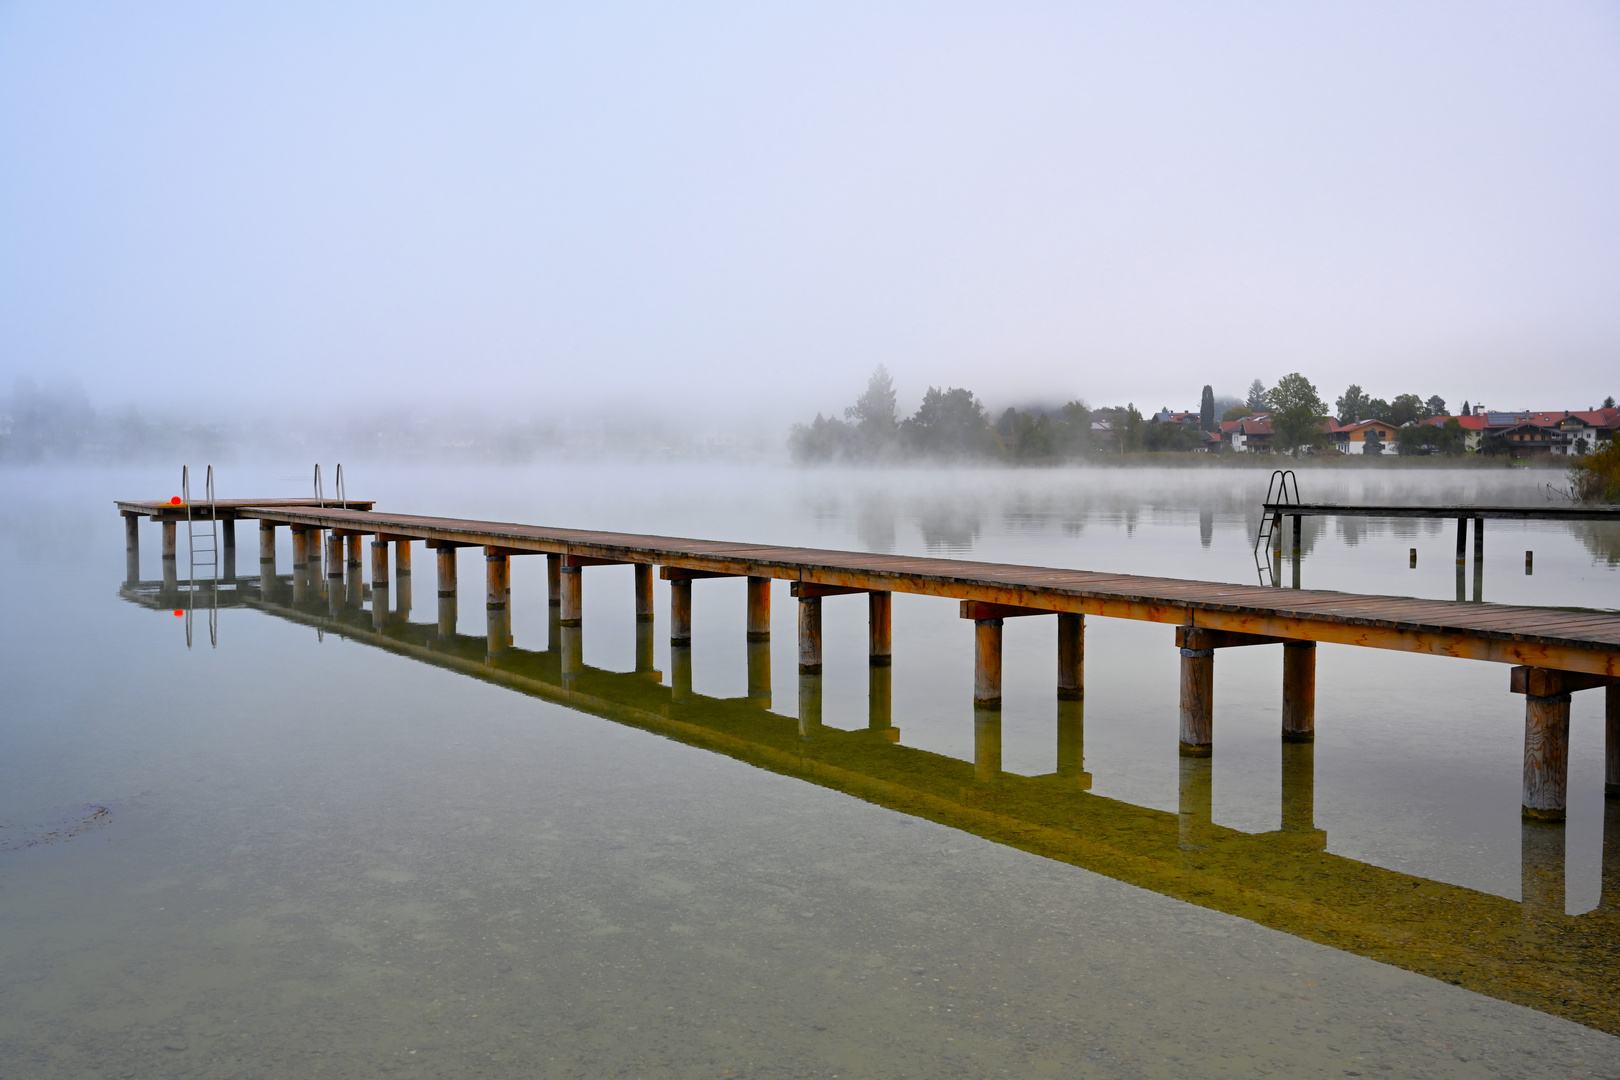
<point x="330" y="850"/>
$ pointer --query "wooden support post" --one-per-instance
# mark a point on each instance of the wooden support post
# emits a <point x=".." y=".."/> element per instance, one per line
<point x="879" y="615"/>
<point x="573" y="595"/>
<point x="810" y="640"/>
<point x="402" y="557"/>
<point x="132" y="548"/>
<point x="1197" y="702"/>
<point x="1479" y="540"/>
<point x="680" y="612"/>
<point x="1529" y="563"/>
<point x="987" y="663"/>
<point x="267" y="541"/>
<point x="1462" y="541"/>
<point x="680" y="663"/>
<point x="447" y="572"/>
<point x="227" y="540"/>
<point x="497" y="581"/>
<point x="1299" y="691"/>
<point x="1276" y="535"/>
<point x="553" y="579"/>
<point x="1462" y="582"/>
<point x="498" y="619"/>
<point x="1071" y="676"/>
<point x="169" y="540"/>
<point x="759" y="609"/>
<point x="1299" y="787"/>
<point x="987" y="744"/>
<point x="402" y="579"/>
<point x="379" y="563"/>
<point x="644" y="592"/>
<point x="880" y="702"/>
<point x="1299" y="529"/>
<point x="353" y="545"/>
<point x="300" y="545"/>
<point x="1546" y="756"/>
<point x="334" y="557"/>
<point x="1611" y="741"/>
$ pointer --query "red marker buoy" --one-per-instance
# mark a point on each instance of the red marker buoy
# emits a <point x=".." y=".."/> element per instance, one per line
<point x="178" y="613"/>
<point x="175" y="501"/>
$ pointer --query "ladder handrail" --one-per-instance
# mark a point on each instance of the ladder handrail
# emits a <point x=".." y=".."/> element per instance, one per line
<point x="342" y="496"/>
<point x="320" y="496"/>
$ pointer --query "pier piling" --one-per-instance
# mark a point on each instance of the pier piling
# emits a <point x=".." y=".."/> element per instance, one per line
<point x="810" y="641"/>
<point x="759" y="609"/>
<point x="880" y="632"/>
<point x="379" y="564"/>
<point x="447" y="571"/>
<point x="334" y="558"/>
<point x="169" y="540"/>
<point x="644" y="592"/>
<point x="1299" y="691"/>
<point x="132" y="548"/>
<point x="987" y="663"/>
<point x="1611" y="740"/>
<point x="1071" y="647"/>
<point x="300" y="546"/>
<point x="227" y="537"/>
<point x="1197" y="701"/>
<point x="573" y="594"/>
<point x="267" y="541"/>
<point x="680" y="611"/>
<point x="554" y="579"/>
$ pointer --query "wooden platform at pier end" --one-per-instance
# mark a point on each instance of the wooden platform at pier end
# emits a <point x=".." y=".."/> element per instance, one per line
<point x="1516" y="513"/>
<point x="1562" y="639"/>
<point x="227" y="509"/>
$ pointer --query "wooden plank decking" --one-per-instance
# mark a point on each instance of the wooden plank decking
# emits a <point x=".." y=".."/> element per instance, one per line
<point x="1521" y="513"/>
<point x="1570" y="640"/>
<point x="163" y="510"/>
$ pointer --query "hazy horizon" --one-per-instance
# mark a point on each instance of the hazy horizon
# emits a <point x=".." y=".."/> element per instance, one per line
<point x="718" y="210"/>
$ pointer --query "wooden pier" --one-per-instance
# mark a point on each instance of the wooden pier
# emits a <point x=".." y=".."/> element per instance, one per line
<point x="1555" y="652"/>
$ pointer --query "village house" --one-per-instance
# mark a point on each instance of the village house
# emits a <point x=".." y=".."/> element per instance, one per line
<point x="1353" y="438"/>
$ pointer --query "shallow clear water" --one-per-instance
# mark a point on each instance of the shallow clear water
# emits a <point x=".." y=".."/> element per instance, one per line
<point x="344" y="852"/>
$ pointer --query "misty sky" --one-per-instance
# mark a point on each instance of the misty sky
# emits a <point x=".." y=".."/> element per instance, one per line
<point x="709" y="207"/>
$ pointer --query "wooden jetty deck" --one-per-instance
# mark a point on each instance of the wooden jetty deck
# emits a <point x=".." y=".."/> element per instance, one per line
<point x="1556" y="652"/>
<point x="1529" y="952"/>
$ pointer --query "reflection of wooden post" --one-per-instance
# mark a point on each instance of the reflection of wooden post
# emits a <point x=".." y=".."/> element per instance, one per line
<point x="1462" y="542"/>
<point x="380" y="612"/>
<point x="809" y="692"/>
<point x="1195" y="802"/>
<point x="1611" y="740"/>
<point x="227" y="539"/>
<point x="680" y="611"/>
<point x="1479" y="560"/>
<point x="553" y="578"/>
<point x="573" y="595"/>
<point x="573" y="654"/>
<point x="1299" y="787"/>
<point x="880" y="702"/>
<point x="1299" y="691"/>
<point x="1609" y="887"/>
<point x="644" y="592"/>
<point x="644" y="648"/>
<point x="1197" y="702"/>
<point x="1071" y="739"/>
<point x="680" y="664"/>
<point x="759" y="673"/>
<point x="402" y="578"/>
<point x="1071" y="679"/>
<point x="300" y="582"/>
<point x="1298" y="531"/>
<point x="987" y="744"/>
<point x="447" y="615"/>
<point x="879" y="608"/>
<point x="1541" y="873"/>
<point x="987" y="663"/>
<point x="810" y="642"/>
<point x="759" y="609"/>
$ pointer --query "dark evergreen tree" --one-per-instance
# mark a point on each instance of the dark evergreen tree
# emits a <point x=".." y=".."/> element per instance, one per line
<point x="1206" y="410"/>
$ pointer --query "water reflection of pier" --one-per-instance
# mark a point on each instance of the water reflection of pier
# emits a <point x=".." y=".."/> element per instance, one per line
<point x="1528" y="952"/>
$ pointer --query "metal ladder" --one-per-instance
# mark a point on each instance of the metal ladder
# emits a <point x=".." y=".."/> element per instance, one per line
<point x="1269" y="534"/>
<point x="202" y="550"/>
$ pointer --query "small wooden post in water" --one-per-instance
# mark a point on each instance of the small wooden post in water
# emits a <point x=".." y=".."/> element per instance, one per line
<point x="553" y="579"/>
<point x="227" y="539"/>
<point x="1529" y="563"/>
<point x="402" y="578"/>
<point x="169" y="540"/>
<point x="300" y="544"/>
<point x="1197" y="699"/>
<point x="354" y="540"/>
<point x="1546" y="741"/>
<point x="447" y="571"/>
<point x="880" y="618"/>
<point x="267" y="541"/>
<point x="573" y="595"/>
<point x="644" y="592"/>
<point x="810" y="645"/>
<point x="759" y="610"/>
<point x="987" y="663"/>
<point x="334" y="557"/>
<point x="497" y="577"/>
<point x="1299" y="691"/>
<point x="1462" y="542"/>
<point x="680" y="611"/>
<point x="1071" y="674"/>
<point x="379" y="563"/>
<point x="132" y="548"/>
